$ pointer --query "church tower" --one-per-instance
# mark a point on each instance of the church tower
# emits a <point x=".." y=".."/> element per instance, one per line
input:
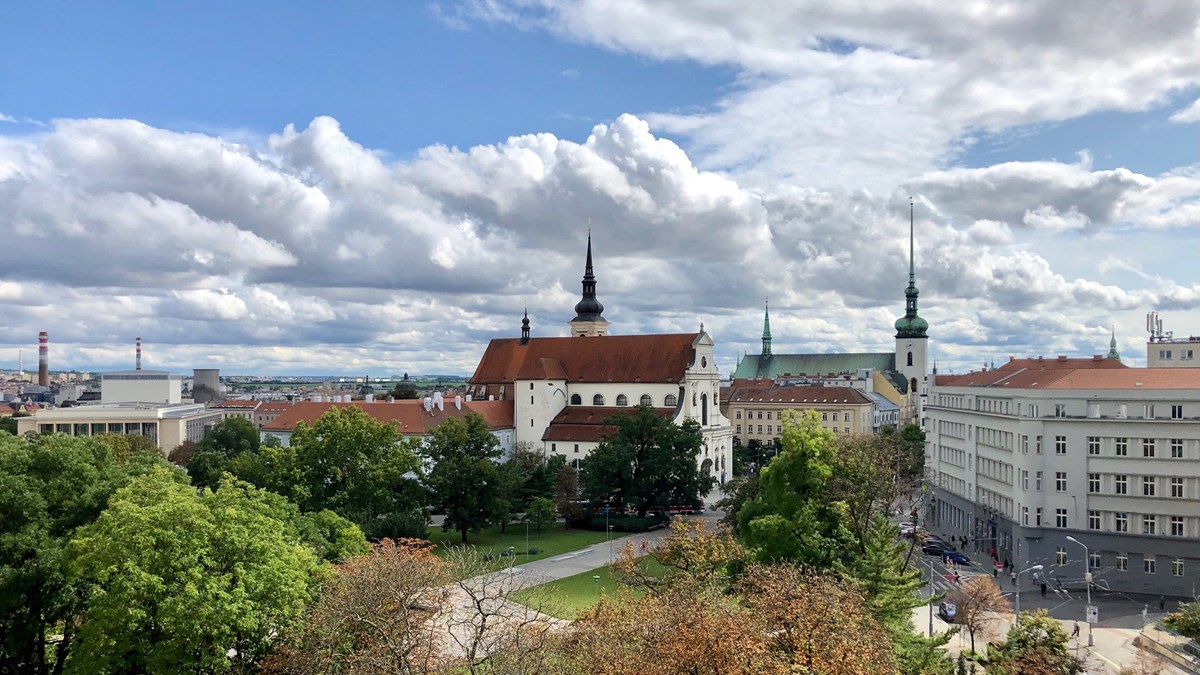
<point x="912" y="342"/>
<point x="1112" y="346"/>
<point x="766" y="336"/>
<point x="589" y="320"/>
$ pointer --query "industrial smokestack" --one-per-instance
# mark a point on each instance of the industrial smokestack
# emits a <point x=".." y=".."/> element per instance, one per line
<point x="44" y="359"/>
<point x="138" y="362"/>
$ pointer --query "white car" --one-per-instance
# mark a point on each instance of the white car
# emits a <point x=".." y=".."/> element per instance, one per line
<point x="907" y="529"/>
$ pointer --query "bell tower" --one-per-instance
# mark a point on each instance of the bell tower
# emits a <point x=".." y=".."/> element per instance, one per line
<point x="589" y="318"/>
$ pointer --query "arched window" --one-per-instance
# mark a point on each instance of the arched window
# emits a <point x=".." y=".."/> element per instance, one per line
<point x="576" y="399"/>
<point x="912" y="386"/>
<point x="670" y="401"/>
<point x="910" y="358"/>
<point x="704" y="409"/>
<point x="597" y="400"/>
<point x="645" y="400"/>
<point x="622" y="401"/>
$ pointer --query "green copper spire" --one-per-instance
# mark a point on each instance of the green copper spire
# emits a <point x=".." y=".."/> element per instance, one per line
<point x="910" y="325"/>
<point x="766" y="338"/>
<point x="1112" y="346"/>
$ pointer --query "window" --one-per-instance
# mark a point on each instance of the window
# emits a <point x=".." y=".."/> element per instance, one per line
<point x="1121" y="484"/>
<point x="739" y="414"/>
<point x="1024" y="445"/>
<point x="1147" y="447"/>
<point x="645" y="400"/>
<point x="1093" y="520"/>
<point x="1060" y="409"/>
<point x="1176" y="526"/>
<point x="739" y="429"/>
<point x="846" y="429"/>
<point x="576" y="399"/>
<point x="1186" y="355"/>
<point x="1176" y="448"/>
<point x="824" y="417"/>
<point x="1176" y="487"/>
<point x="1060" y="517"/>
<point x="1038" y="516"/>
<point x="576" y="448"/>
<point x="1025" y="516"/>
<point x="1147" y="486"/>
<point x="1024" y="479"/>
<point x="1033" y="410"/>
<point x="1122" y="447"/>
<point x="1038" y="482"/>
<point x="671" y="401"/>
<point x="1060" y="481"/>
<point x="530" y="400"/>
<point x="910" y="358"/>
<point x="622" y="401"/>
<point x="1176" y="412"/>
<point x="1164" y="354"/>
<point x="1037" y="447"/>
<point x="760" y="414"/>
<point x="1093" y="483"/>
<point x="760" y="429"/>
<point x="1122" y="521"/>
<point x="1060" y="445"/>
<point x="846" y="417"/>
<point x="1122" y="562"/>
<point x="1060" y="555"/>
<point x="1149" y="524"/>
<point x="1148" y="411"/>
<point x="1177" y="568"/>
<point x="554" y="447"/>
<point x="598" y="399"/>
<point x="1093" y="561"/>
<point x="1148" y="565"/>
<point x="1093" y="445"/>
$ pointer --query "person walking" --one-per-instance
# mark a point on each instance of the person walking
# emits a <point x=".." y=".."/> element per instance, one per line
<point x="1043" y="589"/>
<point x="1075" y="633"/>
<point x="1014" y="578"/>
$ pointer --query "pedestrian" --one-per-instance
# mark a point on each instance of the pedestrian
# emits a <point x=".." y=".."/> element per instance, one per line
<point x="1014" y="578"/>
<point x="992" y="552"/>
<point x="1075" y="633"/>
<point x="643" y="546"/>
<point x="1043" y="589"/>
<point x="1035" y="578"/>
<point x="1162" y="603"/>
<point x="1007" y="564"/>
<point x="957" y="578"/>
<point x="995" y="571"/>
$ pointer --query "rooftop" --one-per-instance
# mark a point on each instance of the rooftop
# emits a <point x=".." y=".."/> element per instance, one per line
<point x="588" y="424"/>
<point x="844" y="395"/>
<point x="408" y="416"/>
<point x="612" y="358"/>
<point x="1031" y="373"/>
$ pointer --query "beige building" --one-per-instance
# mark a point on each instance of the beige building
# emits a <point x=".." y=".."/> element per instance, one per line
<point x="237" y="408"/>
<point x="1164" y="350"/>
<point x="757" y="412"/>
<point x="165" y="425"/>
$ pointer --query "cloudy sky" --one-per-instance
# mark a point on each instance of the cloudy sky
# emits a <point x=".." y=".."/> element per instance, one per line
<point x="382" y="187"/>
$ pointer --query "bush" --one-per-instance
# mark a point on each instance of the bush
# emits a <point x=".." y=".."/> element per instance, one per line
<point x="534" y="551"/>
<point x="1186" y="621"/>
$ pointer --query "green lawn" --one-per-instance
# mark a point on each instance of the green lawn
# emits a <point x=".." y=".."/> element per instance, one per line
<point x="552" y="541"/>
<point x="568" y="596"/>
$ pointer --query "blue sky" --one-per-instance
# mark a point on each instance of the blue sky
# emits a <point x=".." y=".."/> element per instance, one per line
<point x="281" y="197"/>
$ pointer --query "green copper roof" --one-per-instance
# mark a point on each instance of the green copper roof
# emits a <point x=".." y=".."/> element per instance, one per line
<point x="766" y="336"/>
<point x="795" y="365"/>
<point x="1112" y="346"/>
<point x="911" y="325"/>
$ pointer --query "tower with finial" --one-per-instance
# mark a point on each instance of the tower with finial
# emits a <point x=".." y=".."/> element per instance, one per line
<point x="589" y="318"/>
<point x="525" y="328"/>
<point x="1112" y="345"/>
<point x="912" y="340"/>
<point x="766" y="336"/>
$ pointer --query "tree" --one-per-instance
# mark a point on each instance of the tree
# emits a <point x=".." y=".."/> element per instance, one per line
<point x="693" y="554"/>
<point x="541" y="512"/>
<point x="226" y="441"/>
<point x="8" y="424"/>
<point x="177" y="581"/>
<point x="566" y="494"/>
<point x="404" y="391"/>
<point x="792" y="517"/>
<point x="977" y="600"/>
<point x="867" y="480"/>
<point x="182" y="454"/>
<point x="648" y="461"/>
<point x="736" y="492"/>
<point x="465" y="479"/>
<point x="1186" y="621"/>
<point x="49" y="487"/>
<point x="1036" y="646"/>
<point x="377" y="613"/>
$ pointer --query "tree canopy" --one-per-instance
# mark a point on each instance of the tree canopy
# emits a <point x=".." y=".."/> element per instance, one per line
<point x="1036" y="646"/>
<point x="465" y="479"/>
<point x="227" y="441"/>
<point x="648" y="462"/>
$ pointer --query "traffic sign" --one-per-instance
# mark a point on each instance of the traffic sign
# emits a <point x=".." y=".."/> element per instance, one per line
<point x="1093" y="614"/>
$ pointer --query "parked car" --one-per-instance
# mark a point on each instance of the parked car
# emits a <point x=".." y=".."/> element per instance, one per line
<point x="947" y="611"/>
<point x="936" y="547"/>
<point x="906" y="529"/>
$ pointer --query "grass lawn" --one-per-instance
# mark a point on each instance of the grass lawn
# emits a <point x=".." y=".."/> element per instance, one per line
<point x="566" y="597"/>
<point x="552" y="541"/>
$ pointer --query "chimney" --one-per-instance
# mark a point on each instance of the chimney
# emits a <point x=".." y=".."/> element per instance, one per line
<point x="468" y="398"/>
<point x="458" y="402"/>
<point x="138" y="361"/>
<point x="44" y="359"/>
<point x="437" y="398"/>
<point x="369" y="398"/>
<point x="428" y="404"/>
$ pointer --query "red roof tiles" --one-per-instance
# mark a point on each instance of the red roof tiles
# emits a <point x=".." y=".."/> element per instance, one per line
<point x="1029" y="373"/>
<point x="588" y="424"/>
<point x="611" y="358"/>
<point x="408" y="416"/>
<point x="842" y="395"/>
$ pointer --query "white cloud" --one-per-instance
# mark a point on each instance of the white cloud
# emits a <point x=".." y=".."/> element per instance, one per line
<point x="1188" y="114"/>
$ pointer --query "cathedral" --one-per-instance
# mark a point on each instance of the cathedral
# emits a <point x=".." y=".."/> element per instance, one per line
<point x="563" y="389"/>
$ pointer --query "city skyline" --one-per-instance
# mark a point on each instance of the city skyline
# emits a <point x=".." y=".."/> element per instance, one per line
<point x="373" y="190"/>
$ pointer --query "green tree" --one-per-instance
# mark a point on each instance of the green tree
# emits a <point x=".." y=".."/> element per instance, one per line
<point x="648" y="461"/>
<point x="736" y="492"/>
<point x="1036" y="646"/>
<point x="178" y="581"/>
<point x="49" y="487"/>
<point x="541" y="512"/>
<point x="404" y="391"/>
<point x="791" y="518"/>
<point x="566" y="494"/>
<point x="465" y="478"/>
<point x="229" y="439"/>
<point x="8" y="424"/>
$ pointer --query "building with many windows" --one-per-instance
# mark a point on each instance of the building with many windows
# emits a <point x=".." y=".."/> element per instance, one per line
<point x="165" y="425"/>
<point x="1023" y="456"/>
<point x="757" y="412"/>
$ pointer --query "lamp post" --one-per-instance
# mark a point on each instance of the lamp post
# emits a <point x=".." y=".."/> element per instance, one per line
<point x="1035" y="568"/>
<point x="1087" y="579"/>
<point x="929" y="563"/>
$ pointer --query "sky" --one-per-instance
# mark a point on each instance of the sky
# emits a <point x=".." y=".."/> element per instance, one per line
<point x="379" y="187"/>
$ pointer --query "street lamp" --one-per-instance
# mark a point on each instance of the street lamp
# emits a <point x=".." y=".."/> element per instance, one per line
<point x="931" y="593"/>
<point x="1035" y="568"/>
<point x="1087" y="579"/>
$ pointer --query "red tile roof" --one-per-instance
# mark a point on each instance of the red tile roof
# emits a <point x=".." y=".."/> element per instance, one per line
<point x="788" y="395"/>
<point x="275" y="406"/>
<point x="1029" y="373"/>
<point x="233" y="403"/>
<point x="611" y="358"/>
<point x="1129" y="378"/>
<point x="587" y="424"/>
<point x="409" y="416"/>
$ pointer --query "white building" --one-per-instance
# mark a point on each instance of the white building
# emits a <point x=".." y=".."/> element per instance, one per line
<point x="165" y="425"/>
<point x="141" y="386"/>
<point x="1024" y="455"/>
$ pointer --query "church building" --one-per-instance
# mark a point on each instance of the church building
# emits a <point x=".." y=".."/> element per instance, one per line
<point x="900" y="375"/>
<point x="564" y="389"/>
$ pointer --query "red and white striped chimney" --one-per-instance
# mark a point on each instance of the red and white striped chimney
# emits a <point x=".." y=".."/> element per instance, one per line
<point x="139" y="355"/>
<point x="44" y="359"/>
